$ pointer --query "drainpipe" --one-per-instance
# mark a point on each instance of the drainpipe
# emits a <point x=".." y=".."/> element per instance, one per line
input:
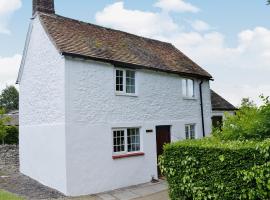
<point x="202" y="114"/>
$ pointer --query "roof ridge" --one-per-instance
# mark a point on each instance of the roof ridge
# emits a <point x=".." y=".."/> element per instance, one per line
<point x="103" y="27"/>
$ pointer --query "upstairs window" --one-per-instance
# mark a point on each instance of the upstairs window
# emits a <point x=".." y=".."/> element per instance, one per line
<point x="190" y="131"/>
<point x="125" y="81"/>
<point x="188" y="88"/>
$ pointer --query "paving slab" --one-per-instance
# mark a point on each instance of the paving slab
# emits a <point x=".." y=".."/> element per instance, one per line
<point x="125" y="195"/>
<point x="106" y="197"/>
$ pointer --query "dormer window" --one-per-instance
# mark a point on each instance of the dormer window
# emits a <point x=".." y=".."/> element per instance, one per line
<point x="125" y="82"/>
<point x="188" y="88"/>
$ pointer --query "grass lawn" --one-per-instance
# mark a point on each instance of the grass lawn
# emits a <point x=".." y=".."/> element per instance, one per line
<point x="7" y="196"/>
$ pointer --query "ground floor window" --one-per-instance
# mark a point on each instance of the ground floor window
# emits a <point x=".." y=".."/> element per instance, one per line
<point x="126" y="140"/>
<point x="190" y="131"/>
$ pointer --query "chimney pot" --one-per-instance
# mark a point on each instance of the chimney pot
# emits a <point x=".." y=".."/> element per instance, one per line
<point x="45" y="6"/>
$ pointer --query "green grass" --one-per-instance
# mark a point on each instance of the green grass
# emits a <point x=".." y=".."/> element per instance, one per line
<point x="7" y="196"/>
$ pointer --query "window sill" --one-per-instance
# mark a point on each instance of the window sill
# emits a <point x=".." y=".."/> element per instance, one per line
<point x="190" y="98"/>
<point x="125" y="94"/>
<point x="127" y="155"/>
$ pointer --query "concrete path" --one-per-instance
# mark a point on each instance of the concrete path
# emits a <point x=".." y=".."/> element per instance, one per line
<point x="148" y="191"/>
<point x="135" y="192"/>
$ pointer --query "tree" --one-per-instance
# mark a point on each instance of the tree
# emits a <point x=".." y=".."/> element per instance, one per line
<point x="268" y="2"/>
<point x="9" y="99"/>
<point x="3" y="126"/>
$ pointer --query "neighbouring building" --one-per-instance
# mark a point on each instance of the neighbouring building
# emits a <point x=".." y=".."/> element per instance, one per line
<point x="97" y="104"/>
<point x="220" y="106"/>
<point x="13" y="118"/>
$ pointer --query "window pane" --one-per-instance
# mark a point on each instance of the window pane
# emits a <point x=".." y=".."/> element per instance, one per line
<point x="190" y="88"/>
<point x="133" y="139"/>
<point x="187" y="132"/>
<point x="119" y="80"/>
<point x="184" y="87"/>
<point x="192" y="131"/>
<point x="130" y="82"/>
<point x="118" y="141"/>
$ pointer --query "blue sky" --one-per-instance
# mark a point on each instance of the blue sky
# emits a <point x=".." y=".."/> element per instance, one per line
<point x="230" y="39"/>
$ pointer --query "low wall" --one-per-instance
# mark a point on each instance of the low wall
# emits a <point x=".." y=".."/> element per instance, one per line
<point x="9" y="157"/>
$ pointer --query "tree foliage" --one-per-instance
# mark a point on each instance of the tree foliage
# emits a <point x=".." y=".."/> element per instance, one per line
<point x="250" y="122"/>
<point x="3" y="127"/>
<point x="9" y="99"/>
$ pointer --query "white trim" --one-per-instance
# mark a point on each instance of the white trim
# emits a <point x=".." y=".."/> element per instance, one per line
<point x="187" y="96"/>
<point x="124" y="93"/>
<point x="25" y="50"/>
<point x="195" y="131"/>
<point x="126" y="152"/>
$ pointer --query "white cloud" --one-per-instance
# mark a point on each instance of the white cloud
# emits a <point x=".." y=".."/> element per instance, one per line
<point x="176" y="6"/>
<point x="7" y="7"/>
<point x="200" y="25"/>
<point x="239" y="71"/>
<point x="9" y="67"/>
<point x="142" y="23"/>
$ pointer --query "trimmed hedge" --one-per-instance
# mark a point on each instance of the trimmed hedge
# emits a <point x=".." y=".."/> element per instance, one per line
<point x="211" y="169"/>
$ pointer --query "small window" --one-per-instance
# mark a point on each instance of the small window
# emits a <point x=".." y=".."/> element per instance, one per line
<point x="125" y="81"/>
<point x="119" y="141"/>
<point x="119" y="80"/>
<point x="130" y="82"/>
<point x="126" y="140"/>
<point x="190" y="131"/>
<point x="188" y="88"/>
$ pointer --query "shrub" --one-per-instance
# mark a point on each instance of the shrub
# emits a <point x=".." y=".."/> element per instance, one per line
<point x="3" y="127"/>
<point x="12" y="135"/>
<point x="250" y="122"/>
<point x="211" y="169"/>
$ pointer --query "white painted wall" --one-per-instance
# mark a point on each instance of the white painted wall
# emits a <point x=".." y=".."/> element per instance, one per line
<point x="93" y="109"/>
<point x="42" y="112"/>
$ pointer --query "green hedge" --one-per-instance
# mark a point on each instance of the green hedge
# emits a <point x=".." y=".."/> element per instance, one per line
<point x="211" y="169"/>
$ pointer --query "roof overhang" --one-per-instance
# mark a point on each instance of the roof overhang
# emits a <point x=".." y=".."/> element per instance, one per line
<point x="134" y="66"/>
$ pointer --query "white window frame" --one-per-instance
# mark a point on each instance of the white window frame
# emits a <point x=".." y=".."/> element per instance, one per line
<point x="126" y="141"/>
<point x="124" y="92"/>
<point x="189" y="132"/>
<point x="187" y="94"/>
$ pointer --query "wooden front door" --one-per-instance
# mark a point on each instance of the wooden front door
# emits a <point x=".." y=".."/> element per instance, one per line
<point x="163" y="136"/>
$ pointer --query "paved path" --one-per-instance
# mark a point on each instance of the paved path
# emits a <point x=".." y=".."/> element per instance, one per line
<point x="136" y="192"/>
<point x="148" y="191"/>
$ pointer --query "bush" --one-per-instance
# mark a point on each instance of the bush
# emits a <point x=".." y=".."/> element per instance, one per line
<point x="12" y="135"/>
<point x="211" y="169"/>
<point x="250" y="122"/>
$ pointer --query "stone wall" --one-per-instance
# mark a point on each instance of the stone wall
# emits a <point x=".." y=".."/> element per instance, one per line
<point x="9" y="158"/>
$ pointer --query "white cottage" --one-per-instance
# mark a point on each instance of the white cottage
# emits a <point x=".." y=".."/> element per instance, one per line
<point x="97" y="105"/>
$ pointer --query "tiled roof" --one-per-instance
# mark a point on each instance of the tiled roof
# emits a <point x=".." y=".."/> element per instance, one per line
<point x="219" y="103"/>
<point x="80" y="39"/>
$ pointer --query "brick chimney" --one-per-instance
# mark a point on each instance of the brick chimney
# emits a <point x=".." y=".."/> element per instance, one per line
<point x="46" y="6"/>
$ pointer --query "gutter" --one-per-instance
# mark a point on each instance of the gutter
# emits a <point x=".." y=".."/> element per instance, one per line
<point x="202" y="113"/>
